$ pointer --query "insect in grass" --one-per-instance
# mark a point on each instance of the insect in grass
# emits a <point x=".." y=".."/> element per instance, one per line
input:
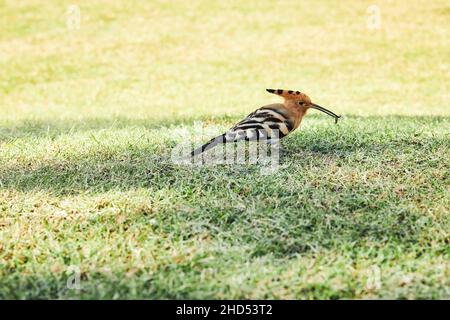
<point x="282" y="118"/>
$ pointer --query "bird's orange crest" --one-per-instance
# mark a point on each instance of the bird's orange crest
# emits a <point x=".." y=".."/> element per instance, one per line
<point x="290" y="94"/>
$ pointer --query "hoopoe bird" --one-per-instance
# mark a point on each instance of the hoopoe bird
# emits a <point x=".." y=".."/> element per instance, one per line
<point x="261" y="124"/>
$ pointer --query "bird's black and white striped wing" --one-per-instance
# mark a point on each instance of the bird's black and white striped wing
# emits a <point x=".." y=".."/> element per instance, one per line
<point x="262" y="124"/>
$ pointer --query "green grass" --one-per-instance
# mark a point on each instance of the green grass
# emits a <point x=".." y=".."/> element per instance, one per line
<point x="89" y="118"/>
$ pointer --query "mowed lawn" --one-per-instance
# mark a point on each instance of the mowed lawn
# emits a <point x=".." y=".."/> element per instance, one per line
<point x="91" y="112"/>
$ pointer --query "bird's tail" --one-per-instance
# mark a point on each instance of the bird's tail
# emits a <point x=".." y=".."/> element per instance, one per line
<point x="209" y="145"/>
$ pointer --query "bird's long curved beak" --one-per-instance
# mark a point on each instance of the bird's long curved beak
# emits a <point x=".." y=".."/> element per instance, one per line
<point x="328" y="112"/>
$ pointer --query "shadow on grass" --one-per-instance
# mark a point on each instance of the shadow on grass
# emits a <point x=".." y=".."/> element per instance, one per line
<point x="127" y="167"/>
<point x="44" y="128"/>
<point x="53" y="128"/>
<point x="236" y="203"/>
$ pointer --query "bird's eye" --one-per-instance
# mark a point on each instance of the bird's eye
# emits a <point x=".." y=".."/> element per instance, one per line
<point x="300" y="103"/>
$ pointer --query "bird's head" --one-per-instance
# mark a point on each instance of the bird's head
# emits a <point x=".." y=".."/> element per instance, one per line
<point x="301" y="100"/>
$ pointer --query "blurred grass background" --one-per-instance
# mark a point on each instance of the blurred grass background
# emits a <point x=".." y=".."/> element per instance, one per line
<point x="88" y="118"/>
<point x="157" y="59"/>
